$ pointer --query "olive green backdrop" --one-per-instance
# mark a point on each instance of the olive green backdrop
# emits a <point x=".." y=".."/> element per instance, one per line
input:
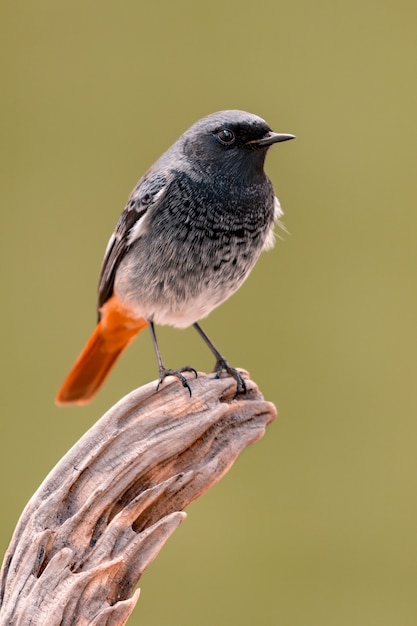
<point x="316" y="524"/>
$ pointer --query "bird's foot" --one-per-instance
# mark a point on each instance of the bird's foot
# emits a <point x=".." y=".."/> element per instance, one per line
<point x="222" y="364"/>
<point x="164" y="372"/>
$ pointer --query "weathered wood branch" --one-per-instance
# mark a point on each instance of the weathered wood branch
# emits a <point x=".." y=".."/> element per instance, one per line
<point x="103" y="513"/>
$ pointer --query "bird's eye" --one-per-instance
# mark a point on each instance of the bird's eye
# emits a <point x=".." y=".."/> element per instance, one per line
<point x="226" y="136"/>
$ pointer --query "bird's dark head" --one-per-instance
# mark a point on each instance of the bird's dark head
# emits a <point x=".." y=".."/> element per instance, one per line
<point x="230" y="144"/>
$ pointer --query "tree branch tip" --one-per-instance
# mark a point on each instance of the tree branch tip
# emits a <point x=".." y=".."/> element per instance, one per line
<point x="138" y="467"/>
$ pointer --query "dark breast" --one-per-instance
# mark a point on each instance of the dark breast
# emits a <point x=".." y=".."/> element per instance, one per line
<point x="213" y="221"/>
<point x="203" y="238"/>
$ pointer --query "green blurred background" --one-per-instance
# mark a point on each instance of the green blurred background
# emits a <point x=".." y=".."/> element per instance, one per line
<point x="316" y="524"/>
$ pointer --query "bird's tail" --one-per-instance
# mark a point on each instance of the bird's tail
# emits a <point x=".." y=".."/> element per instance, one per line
<point x="115" y="330"/>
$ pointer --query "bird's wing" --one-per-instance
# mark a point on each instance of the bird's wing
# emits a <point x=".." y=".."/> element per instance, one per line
<point x="145" y="197"/>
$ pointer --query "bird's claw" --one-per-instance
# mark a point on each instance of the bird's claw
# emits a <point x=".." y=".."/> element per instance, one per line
<point x="164" y="372"/>
<point x="221" y="365"/>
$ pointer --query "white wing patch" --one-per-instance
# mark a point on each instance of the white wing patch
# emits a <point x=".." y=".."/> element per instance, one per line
<point x="139" y="227"/>
<point x="270" y="238"/>
<point x="109" y="245"/>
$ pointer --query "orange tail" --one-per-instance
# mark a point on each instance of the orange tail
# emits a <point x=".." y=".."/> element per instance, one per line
<point x="116" y="329"/>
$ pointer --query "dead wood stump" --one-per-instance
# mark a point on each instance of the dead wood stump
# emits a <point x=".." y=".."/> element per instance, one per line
<point x="104" y="512"/>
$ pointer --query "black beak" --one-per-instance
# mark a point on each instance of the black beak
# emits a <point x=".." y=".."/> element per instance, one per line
<point x="271" y="138"/>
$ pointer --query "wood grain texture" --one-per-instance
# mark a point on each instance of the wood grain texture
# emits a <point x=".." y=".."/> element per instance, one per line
<point x="104" y="512"/>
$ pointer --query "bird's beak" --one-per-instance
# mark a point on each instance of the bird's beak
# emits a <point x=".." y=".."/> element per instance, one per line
<point x="270" y="138"/>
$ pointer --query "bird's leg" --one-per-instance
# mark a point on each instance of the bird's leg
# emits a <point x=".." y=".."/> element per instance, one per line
<point x="163" y="371"/>
<point x="221" y="363"/>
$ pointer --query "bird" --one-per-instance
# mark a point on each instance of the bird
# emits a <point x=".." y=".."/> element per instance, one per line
<point x="190" y="234"/>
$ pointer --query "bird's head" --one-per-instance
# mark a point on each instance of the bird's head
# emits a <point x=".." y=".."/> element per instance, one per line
<point x="230" y="144"/>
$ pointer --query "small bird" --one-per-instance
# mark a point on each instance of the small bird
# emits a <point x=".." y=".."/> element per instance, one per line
<point x="190" y="234"/>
